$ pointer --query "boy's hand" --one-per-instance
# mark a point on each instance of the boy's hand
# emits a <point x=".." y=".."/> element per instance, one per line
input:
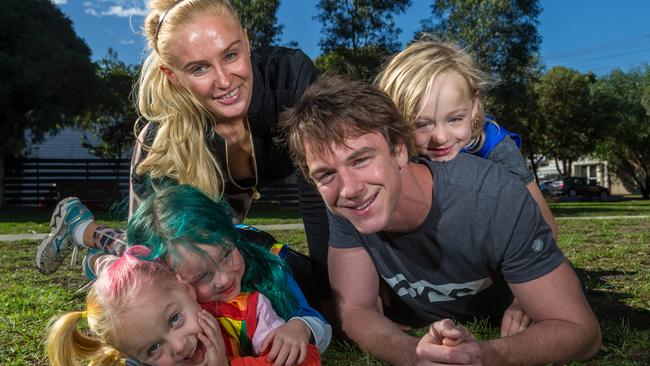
<point x="514" y="320"/>
<point x="288" y="343"/>
<point x="215" y="351"/>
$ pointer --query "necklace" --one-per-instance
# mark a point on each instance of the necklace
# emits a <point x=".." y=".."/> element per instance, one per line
<point x="256" y="195"/>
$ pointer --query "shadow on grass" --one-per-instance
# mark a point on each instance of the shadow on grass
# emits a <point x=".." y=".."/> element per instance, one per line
<point x="610" y="305"/>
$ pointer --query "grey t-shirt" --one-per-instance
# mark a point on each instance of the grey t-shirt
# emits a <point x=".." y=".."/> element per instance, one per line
<point x="483" y="229"/>
<point x="507" y="154"/>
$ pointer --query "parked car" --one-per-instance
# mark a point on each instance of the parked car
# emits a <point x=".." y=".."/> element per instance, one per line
<point x="545" y="188"/>
<point x="577" y="186"/>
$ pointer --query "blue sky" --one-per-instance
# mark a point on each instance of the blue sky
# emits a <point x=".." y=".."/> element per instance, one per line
<point x="586" y="35"/>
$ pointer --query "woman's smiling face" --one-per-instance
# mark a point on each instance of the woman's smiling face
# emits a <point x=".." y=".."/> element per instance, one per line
<point x="211" y="59"/>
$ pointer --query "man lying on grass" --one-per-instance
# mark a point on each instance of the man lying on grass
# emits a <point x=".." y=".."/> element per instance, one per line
<point x="451" y="240"/>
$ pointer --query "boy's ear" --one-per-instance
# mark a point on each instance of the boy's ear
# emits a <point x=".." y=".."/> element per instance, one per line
<point x="475" y="103"/>
<point x="170" y="74"/>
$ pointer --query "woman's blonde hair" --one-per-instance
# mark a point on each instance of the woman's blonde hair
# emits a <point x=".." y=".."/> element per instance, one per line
<point x="112" y="292"/>
<point x="179" y="150"/>
<point x="408" y="76"/>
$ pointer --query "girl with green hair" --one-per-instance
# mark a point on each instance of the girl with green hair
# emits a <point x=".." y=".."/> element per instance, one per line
<point x="196" y="237"/>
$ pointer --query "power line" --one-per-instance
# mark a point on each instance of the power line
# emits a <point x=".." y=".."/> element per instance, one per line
<point x="618" y="54"/>
<point x="607" y="46"/>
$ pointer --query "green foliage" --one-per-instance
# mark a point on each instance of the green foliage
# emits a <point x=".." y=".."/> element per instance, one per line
<point x="260" y="20"/>
<point x="622" y="102"/>
<point x="564" y="103"/>
<point x="361" y="63"/>
<point x="113" y="115"/>
<point x="358" y="34"/>
<point x="502" y="35"/>
<point x="46" y="72"/>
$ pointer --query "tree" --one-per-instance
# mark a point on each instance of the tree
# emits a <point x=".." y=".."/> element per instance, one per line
<point x="358" y="34"/>
<point x="622" y="103"/>
<point x="565" y="108"/>
<point x="502" y="35"/>
<point x="113" y="115"/>
<point x="260" y="20"/>
<point x="46" y="72"/>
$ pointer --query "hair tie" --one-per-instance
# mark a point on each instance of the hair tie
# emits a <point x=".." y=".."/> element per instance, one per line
<point x="84" y="315"/>
<point x="160" y="22"/>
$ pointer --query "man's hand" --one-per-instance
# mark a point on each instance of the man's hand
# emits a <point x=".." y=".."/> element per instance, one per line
<point x="514" y="320"/>
<point x="448" y="344"/>
<point x="288" y="343"/>
<point x="215" y="352"/>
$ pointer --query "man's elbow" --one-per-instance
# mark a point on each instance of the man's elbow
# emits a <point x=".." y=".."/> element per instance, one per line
<point x="593" y="340"/>
<point x="348" y="322"/>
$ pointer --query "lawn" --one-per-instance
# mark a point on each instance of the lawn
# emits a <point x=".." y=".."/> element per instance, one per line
<point x="611" y="256"/>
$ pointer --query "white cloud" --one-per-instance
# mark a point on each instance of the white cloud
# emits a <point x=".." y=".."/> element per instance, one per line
<point x="91" y="11"/>
<point x="125" y="12"/>
<point x="118" y="8"/>
<point x="59" y="2"/>
<point x="126" y="41"/>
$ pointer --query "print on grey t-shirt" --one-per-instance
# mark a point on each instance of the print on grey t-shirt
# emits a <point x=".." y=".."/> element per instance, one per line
<point x="436" y="293"/>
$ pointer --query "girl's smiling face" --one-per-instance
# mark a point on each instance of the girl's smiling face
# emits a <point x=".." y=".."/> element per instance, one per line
<point x="215" y="277"/>
<point x="444" y="125"/>
<point x="160" y="327"/>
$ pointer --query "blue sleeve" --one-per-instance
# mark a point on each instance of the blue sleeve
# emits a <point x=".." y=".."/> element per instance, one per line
<point x="302" y="307"/>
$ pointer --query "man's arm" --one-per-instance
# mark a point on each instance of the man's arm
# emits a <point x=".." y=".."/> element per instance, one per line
<point x="355" y="287"/>
<point x="564" y="326"/>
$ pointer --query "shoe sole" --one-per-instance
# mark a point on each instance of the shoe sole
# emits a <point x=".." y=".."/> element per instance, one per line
<point x="56" y="225"/>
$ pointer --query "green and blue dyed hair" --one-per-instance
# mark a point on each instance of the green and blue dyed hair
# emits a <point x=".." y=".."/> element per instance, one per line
<point x="181" y="216"/>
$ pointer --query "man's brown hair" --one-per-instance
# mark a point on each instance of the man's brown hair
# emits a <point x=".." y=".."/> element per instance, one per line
<point x="335" y="108"/>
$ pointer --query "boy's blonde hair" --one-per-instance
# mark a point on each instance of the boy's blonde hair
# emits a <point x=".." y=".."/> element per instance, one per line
<point x="179" y="150"/>
<point x="113" y="291"/>
<point x="336" y="108"/>
<point x="408" y="76"/>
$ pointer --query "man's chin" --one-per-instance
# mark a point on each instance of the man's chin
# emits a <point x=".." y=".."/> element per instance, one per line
<point x="368" y="227"/>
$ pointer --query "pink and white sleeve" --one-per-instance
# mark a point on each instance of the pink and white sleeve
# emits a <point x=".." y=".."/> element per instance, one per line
<point x="267" y="321"/>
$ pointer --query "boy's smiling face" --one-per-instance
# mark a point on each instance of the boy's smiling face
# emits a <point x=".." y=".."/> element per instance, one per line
<point x="444" y="125"/>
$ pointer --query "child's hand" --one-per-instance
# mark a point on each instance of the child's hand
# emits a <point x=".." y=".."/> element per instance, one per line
<point x="215" y="351"/>
<point x="514" y="320"/>
<point x="288" y="343"/>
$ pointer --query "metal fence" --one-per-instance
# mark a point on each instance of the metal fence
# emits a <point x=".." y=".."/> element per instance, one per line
<point x="97" y="182"/>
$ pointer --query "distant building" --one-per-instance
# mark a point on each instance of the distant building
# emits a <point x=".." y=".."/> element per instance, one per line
<point x="590" y="168"/>
<point x="66" y="144"/>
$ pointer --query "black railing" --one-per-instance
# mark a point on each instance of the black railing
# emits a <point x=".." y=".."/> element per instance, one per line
<point x="97" y="182"/>
<point x="42" y="182"/>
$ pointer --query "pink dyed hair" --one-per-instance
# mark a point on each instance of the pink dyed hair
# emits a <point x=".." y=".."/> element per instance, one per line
<point x="130" y="272"/>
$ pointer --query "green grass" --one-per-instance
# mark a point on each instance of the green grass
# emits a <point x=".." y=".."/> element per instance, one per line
<point x="25" y="221"/>
<point x="33" y="220"/>
<point x="612" y="258"/>
<point x="626" y="207"/>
